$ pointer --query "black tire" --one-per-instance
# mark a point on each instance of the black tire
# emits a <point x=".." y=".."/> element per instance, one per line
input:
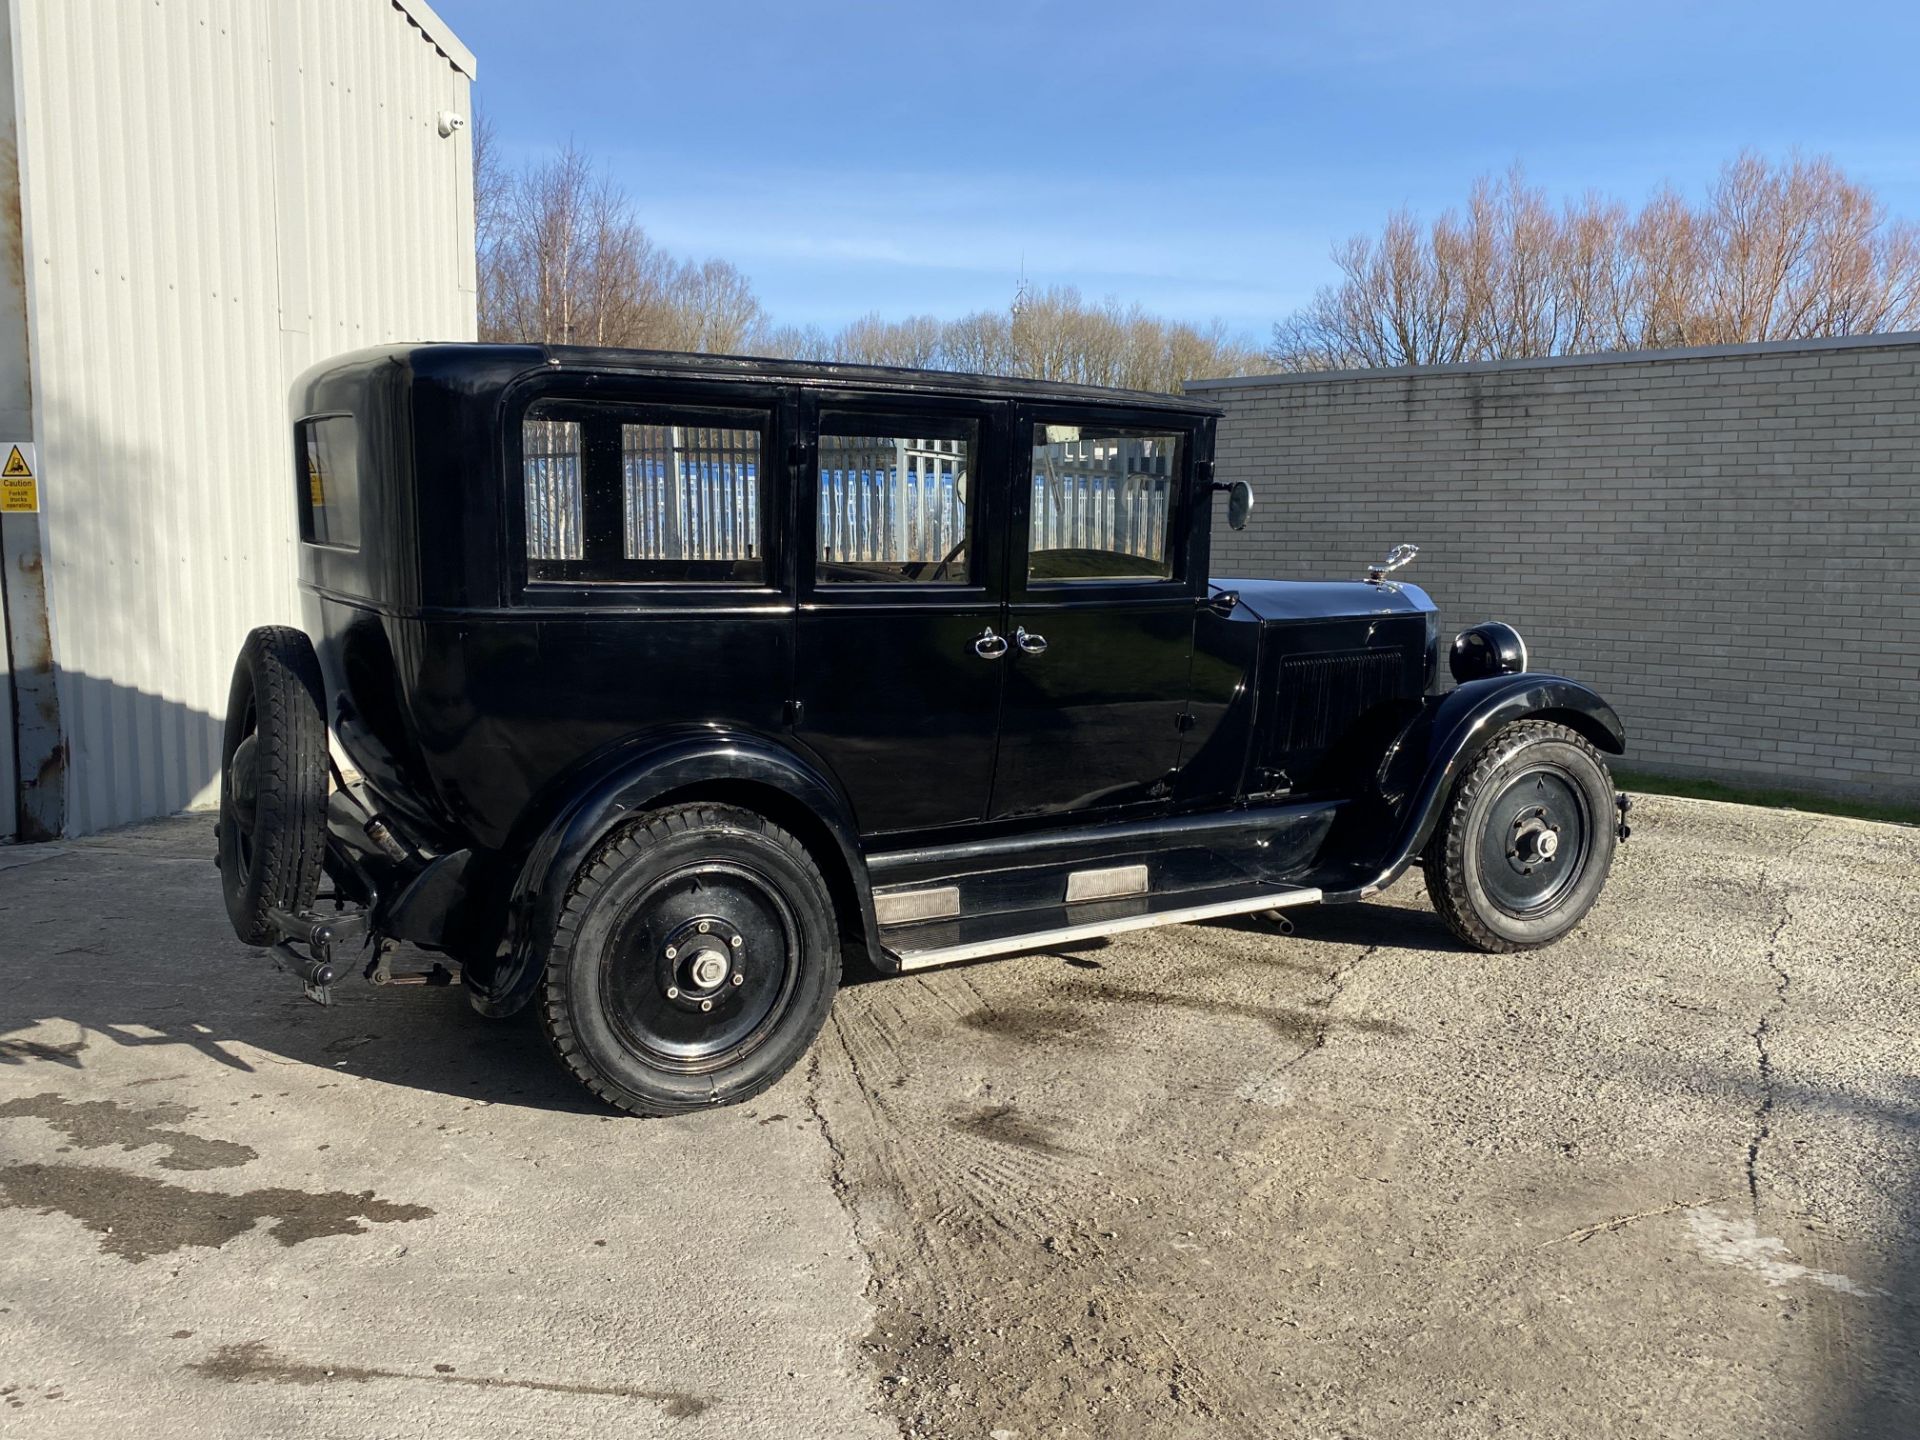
<point x="1486" y="870"/>
<point x="633" y="1000"/>
<point x="273" y="782"/>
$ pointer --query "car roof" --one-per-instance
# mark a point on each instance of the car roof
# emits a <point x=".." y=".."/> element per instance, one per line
<point x="808" y="372"/>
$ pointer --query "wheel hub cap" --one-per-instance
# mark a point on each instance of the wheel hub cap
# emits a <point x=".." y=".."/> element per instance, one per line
<point x="1533" y="848"/>
<point x="243" y="774"/>
<point x="1536" y="838"/>
<point x="703" y="962"/>
<point x="700" y="966"/>
<point x="708" y="969"/>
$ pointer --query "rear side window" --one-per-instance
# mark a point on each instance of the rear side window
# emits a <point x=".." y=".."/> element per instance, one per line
<point x="327" y="472"/>
<point x="1102" y="499"/>
<point x="643" y="493"/>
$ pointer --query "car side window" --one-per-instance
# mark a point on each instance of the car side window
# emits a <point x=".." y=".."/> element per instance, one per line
<point x="1102" y="499"/>
<point x="329" y="480"/>
<point x="643" y="492"/>
<point x="893" y="499"/>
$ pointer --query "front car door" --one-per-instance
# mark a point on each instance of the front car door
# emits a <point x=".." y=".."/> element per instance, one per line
<point x="1100" y="610"/>
<point x="901" y="654"/>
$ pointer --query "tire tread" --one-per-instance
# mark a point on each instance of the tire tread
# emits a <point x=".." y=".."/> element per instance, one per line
<point x="278" y="665"/>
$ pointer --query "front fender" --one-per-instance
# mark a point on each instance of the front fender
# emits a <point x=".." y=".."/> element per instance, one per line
<point x="635" y="781"/>
<point x="1419" y="769"/>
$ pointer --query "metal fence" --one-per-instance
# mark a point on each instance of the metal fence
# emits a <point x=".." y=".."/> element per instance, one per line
<point x="689" y="493"/>
<point x="692" y="493"/>
<point x="892" y="500"/>
<point x="1109" y="494"/>
<point x="550" y="456"/>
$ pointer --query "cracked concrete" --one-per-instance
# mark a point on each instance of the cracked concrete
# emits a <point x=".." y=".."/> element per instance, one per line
<point x="1763" y="1112"/>
<point x="1662" y="1179"/>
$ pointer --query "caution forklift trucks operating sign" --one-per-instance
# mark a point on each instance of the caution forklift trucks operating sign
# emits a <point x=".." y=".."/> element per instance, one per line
<point x="19" y="487"/>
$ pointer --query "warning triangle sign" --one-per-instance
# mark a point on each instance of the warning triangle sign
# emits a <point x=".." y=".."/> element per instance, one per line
<point x="16" y="467"/>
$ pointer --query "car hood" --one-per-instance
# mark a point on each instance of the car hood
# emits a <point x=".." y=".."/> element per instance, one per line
<point x="1325" y="599"/>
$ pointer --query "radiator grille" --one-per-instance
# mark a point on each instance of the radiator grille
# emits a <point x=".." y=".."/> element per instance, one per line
<point x="1319" y="696"/>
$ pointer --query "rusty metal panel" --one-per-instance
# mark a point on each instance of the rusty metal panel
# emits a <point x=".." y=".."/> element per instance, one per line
<point x="216" y="194"/>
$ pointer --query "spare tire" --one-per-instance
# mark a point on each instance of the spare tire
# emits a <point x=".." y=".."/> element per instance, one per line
<point x="273" y="782"/>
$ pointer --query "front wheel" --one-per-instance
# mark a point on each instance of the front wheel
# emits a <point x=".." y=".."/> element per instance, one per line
<point x="1525" y="841"/>
<point x="694" y="962"/>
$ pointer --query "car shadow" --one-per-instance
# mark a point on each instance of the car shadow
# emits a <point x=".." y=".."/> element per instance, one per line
<point x="120" y="942"/>
<point x="1393" y="927"/>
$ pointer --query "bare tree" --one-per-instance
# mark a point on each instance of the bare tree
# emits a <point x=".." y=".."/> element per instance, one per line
<point x="564" y="261"/>
<point x="1052" y="335"/>
<point x="871" y="340"/>
<point x="1774" y="252"/>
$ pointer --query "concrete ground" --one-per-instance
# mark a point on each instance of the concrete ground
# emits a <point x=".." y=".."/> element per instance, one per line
<point x="1660" y="1180"/>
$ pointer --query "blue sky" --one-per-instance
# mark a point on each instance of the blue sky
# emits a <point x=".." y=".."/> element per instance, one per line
<point x="1199" y="158"/>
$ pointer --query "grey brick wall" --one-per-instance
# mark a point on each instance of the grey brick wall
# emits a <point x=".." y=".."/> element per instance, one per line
<point x="1726" y="543"/>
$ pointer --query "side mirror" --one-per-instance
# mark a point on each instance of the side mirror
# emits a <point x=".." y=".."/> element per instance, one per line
<point x="1239" y="503"/>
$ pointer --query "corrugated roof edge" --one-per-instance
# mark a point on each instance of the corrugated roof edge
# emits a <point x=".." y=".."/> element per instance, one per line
<point x="440" y="34"/>
<point x="1891" y="339"/>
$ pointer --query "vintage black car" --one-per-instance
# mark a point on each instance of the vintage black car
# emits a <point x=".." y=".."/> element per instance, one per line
<point x="643" y="688"/>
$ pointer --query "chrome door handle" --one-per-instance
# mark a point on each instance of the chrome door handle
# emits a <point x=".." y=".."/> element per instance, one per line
<point x="1029" y="643"/>
<point x="989" y="646"/>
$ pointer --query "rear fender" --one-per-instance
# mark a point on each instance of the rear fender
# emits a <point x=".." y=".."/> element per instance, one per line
<point x="1419" y="769"/>
<point x="728" y="768"/>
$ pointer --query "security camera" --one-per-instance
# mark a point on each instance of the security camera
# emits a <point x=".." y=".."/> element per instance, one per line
<point x="451" y="123"/>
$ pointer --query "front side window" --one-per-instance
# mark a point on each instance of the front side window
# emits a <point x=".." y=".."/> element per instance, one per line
<point x="328" y="465"/>
<point x="643" y="493"/>
<point x="1102" y="502"/>
<point x="893" y="496"/>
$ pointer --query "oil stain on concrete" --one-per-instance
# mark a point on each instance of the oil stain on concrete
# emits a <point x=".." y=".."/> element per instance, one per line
<point x="140" y="1216"/>
<point x="97" y="1124"/>
<point x="253" y="1362"/>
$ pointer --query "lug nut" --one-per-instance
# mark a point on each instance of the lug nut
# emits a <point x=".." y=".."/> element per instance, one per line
<point x="706" y="1004"/>
<point x="737" y="942"/>
<point x="672" y="951"/>
<point x="738" y="978"/>
<point x="705" y="926"/>
<point x="673" y="992"/>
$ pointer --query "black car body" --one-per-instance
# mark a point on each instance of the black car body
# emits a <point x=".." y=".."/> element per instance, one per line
<point x="955" y="637"/>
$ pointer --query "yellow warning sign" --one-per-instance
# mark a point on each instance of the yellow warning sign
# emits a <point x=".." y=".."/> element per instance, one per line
<point x="19" y="489"/>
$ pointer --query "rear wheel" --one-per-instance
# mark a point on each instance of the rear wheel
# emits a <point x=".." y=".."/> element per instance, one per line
<point x="694" y="962"/>
<point x="1525" y="842"/>
<point x="273" y="782"/>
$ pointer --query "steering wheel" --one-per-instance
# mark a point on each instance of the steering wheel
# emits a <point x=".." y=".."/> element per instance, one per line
<point x="940" y="570"/>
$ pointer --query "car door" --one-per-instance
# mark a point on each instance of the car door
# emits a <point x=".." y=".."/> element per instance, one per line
<point x="901" y="647"/>
<point x="1100" y="610"/>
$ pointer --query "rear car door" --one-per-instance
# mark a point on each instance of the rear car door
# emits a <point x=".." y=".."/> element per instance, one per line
<point x="1100" y="610"/>
<point x="901" y="648"/>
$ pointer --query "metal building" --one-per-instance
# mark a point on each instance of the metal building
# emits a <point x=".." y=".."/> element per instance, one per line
<point x="199" y="199"/>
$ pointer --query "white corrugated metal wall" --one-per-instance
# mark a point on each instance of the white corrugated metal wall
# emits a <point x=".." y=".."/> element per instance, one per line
<point x="216" y="194"/>
<point x="16" y="408"/>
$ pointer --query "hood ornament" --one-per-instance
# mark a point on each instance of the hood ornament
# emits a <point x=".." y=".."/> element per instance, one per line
<point x="1396" y="557"/>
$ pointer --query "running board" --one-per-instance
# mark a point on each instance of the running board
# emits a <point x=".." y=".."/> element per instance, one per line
<point x="912" y="958"/>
